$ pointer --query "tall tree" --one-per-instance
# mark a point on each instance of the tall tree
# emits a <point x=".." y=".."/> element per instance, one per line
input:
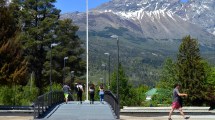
<point x="192" y="74"/>
<point x="128" y="95"/>
<point x="210" y="86"/>
<point x="169" y="75"/>
<point x="69" y="46"/>
<point x="13" y="66"/>
<point x="38" y="19"/>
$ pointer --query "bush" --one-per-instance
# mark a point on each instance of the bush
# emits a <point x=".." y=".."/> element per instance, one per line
<point x="18" y="95"/>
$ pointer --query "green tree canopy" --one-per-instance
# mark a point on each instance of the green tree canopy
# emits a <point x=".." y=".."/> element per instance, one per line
<point x="127" y="93"/>
<point x="169" y="75"/>
<point x="37" y="19"/>
<point x="40" y="27"/>
<point x="69" y="46"/>
<point x="192" y="74"/>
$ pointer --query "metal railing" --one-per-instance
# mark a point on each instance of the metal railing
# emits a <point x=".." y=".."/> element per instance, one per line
<point x="46" y="101"/>
<point x="110" y="98"/>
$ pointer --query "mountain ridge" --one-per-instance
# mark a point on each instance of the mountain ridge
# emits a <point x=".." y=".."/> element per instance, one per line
<point x="193" y="10"/>
<point x="147" y="36"/>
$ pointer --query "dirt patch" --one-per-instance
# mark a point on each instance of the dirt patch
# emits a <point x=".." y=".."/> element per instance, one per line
<point x="16" y="118"/>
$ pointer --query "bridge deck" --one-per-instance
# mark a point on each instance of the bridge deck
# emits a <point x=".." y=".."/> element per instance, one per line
<point x="85" y="111"/>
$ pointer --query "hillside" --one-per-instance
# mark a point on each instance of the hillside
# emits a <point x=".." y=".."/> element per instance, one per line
<point x="149" y="31"/>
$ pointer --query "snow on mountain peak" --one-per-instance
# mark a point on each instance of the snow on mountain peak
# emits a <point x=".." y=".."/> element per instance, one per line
<point x="200" y="12"/>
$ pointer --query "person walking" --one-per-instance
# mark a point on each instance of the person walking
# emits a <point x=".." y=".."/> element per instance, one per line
<point x="66" y="90"/>
<point x="177" y="101"/>
<point x="101" y="93"/>
<point x="92" y="93"/>
<point x="80" y="90"/>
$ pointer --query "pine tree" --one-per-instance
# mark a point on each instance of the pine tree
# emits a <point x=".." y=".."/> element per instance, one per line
<point x="192" y="74"/>
<point x="169" y="75"/>
<point x="70" y="46"/>
<point x="13" y="66"/>
<point x="38" y="20"/>
<point x="127" y="93"/>
<point x="40" y="28"/>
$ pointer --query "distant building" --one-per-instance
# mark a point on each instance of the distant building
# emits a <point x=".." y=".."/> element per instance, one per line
<point x="150" y="93"/>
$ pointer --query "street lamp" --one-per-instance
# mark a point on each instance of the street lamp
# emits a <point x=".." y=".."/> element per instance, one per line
<point x="117" y="90"/>
<point x="72" y="76"/>
<point x="108" y="54"/>
<point x="102" y="80"/>
<point x="103" y="65"/>
<point x="50" y="78"/>
<point x="64" y="62"/>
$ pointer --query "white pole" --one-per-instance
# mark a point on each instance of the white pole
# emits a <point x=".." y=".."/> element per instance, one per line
<point x="87" y="49"/>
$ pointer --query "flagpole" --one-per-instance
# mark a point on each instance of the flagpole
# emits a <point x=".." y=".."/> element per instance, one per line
<point x="87" y="49"/>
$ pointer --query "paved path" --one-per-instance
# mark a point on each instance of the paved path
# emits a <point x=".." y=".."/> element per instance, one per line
<point x="85" y="111"/>
<point x="174" y="117"/>
<point x="161" y="113"/>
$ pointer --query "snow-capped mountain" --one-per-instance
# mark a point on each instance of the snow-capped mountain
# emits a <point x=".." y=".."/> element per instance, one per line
<point x="149" y="31"/>
<point x="156" y="20"/>
<point x="200" y="12"/>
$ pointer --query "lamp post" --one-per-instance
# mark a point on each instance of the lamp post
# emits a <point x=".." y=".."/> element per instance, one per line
<point x="64" y="62"/>
<point x="72" y="79"/>
<point x="117" y="89"/>
<point x="102" y="80"/>
<point x="108" y="54"/>
<point x="104" y="65"/>
<point x="50" y="78"/>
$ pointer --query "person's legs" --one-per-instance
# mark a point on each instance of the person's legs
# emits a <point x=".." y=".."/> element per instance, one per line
<point x="78" y="96"/>
<point x="180" y="110"/>
<point x="81" y="97"/>
<point x="102" y="97"/>
<point x="92" y="98"/>
<point x="66" y="97"/>
<point x="170" y="113"/>
<point x="182" y="113"/>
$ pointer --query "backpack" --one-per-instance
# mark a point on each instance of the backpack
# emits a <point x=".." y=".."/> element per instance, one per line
<point x="76" y="89"/>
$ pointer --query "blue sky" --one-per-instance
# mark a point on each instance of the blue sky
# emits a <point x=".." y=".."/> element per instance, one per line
<point x="80" y="5"/>
<point x="77" y="5"/>
<point x="184" y="0"/>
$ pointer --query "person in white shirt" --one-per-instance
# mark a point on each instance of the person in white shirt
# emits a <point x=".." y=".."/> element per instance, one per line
<point x="101" y="93"/>
<point x="80" y="90"/>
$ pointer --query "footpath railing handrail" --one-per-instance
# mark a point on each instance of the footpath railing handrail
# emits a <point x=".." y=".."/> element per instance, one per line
<point x="110" y="98"/>
<point x="46" y="101"/>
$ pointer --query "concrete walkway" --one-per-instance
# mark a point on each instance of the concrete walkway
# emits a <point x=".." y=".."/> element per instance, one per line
<point x="174" y="117"/>
<point x="161" y="113"/>
<point x="85" y="111"/>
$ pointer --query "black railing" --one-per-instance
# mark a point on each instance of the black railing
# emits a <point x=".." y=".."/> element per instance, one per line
<point x="46" y="101"/>
<point x="110" y="98"/>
